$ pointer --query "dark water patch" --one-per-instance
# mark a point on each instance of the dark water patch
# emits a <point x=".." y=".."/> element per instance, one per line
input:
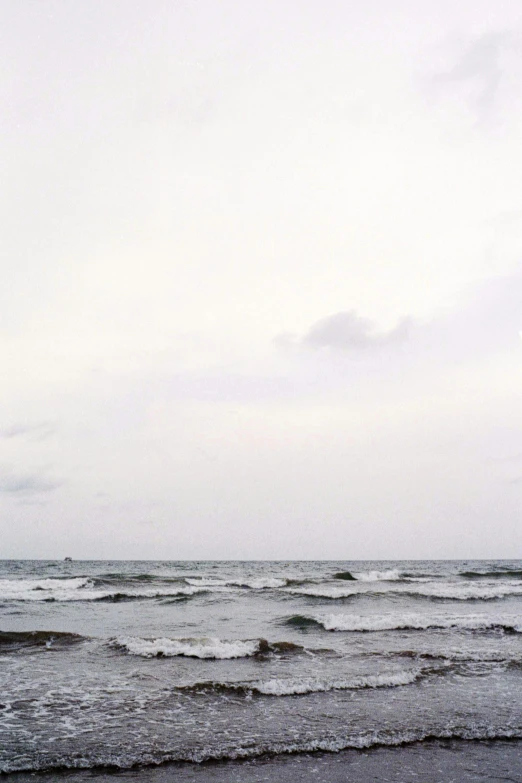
<point x="345" y="575"/>
<point x="302" y="621"/>
<point x="17" y="640"/>
<point x="506" y="574"/>
<point x="123" y="597"/>
<point x="109" y="579"/>
<point x="278" y="648"/>
<point x="116" y="598"/>
<point x="177" y="599"/>
<point x="286" y="647"/>
<point x="412" y="654"/>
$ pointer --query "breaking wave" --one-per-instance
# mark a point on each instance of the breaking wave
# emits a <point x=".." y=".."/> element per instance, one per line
<point x="406" y="622"/>
<point x="449" y="591"/>
<point x="463" y="592"/>
<point x="83" y="589"/>
<point x="253" y="584"/>
<point x="203" y="648"/>
<point x="298" y="686"/>
<point x="362" y="740"/>
<point x="392" y="575"/>
<point x="104" y="580"/>
<point x="17" y="640"/>
<point x="325" y="592"/>
<point x="301" y="621"/>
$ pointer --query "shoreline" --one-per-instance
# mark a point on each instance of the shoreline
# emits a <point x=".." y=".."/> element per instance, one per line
<point x="435" y="760"/>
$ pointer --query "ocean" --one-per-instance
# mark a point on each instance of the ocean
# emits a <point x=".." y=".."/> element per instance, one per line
<point x="161" y="671"/>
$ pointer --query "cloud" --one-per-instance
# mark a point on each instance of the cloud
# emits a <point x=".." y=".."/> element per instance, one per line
<point x="477" y="73"/>
<point x="40" y="431"/>
<point x="347" y="331"/>
<point x="485" y="319"/>
<point x="23" y="484"/>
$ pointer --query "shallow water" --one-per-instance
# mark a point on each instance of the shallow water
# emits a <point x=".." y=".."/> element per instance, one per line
<point x="144" y="663"/>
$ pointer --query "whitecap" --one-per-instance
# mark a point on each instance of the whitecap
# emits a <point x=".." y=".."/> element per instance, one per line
<point x="325" y="592"/>
<point x="392" y="575"/>
<point x="301" y="685"/>
<point x="465" y="592"/>
<point x="191" y="648"/>
<point x="390" y="622"/>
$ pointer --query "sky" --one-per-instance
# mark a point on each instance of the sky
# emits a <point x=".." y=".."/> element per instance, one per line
<point x="261" y="279"/>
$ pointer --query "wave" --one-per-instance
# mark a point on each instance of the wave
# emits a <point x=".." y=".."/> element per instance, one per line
<point x="203" y="648"/>
<point x="16" y="640"/>
<point x="509" y="573"/>
<point x="253" y="584"/>
<point x="406" y="622"/>
<point x="391" y="575"/>
<point x="453" y="656"/>
<point x="362" y="740"/>
<point x="298" y="686"/>
<point x="325" y="592"/>
<point x="454" y="591"/>
<point x="301" y="621"/>
<point x="83" y="589"/>
<point x="103" y="580"/>
<point x="168" y="596"/>
<point x="74" y="583"/>
<point x="463" y="592"/>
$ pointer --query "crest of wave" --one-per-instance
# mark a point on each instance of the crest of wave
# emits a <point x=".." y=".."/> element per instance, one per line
<point x="78" y="589"/>
<point x="254" y="584"/>
<point x="391" y="575"/>
<point x="465" y="592"/>
<point x="190" y="648"/>
<point x="40" y="589"/>
<point x="325" y="592"/>
<point x="390" y="622"/>
<point x="301" y="685"/>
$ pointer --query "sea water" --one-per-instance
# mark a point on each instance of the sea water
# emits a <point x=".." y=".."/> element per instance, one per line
<point x="251" y="671"/>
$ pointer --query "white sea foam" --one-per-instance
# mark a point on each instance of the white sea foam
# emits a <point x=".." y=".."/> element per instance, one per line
<point x="299" y="685"/>
<point x="390" y="622"/>
<point x="392" y="575"/>
<point x="43" y="589"/>
<point x="191" y="648"/>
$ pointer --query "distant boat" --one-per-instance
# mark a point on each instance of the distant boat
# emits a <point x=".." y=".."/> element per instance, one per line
<point x="68" y="559"/>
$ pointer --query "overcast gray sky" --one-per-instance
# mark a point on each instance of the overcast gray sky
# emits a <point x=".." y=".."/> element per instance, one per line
<point x="261" y="279"/>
